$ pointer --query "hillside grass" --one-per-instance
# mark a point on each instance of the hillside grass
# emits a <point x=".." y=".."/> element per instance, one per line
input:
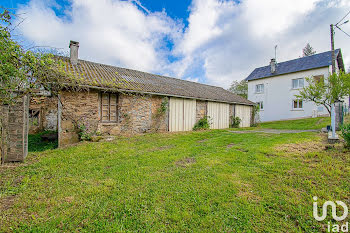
<point x="204" y="181"/>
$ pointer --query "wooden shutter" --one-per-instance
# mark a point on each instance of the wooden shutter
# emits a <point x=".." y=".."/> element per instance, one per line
<point x="105" y="106"/>
<point x="109" y="108"/>
<point x="113" y="107"/>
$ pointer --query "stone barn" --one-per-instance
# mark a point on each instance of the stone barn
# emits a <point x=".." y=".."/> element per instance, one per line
<point x="119" y="101"/>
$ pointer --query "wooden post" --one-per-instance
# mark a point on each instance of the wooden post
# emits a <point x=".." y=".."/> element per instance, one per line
<point x="332" y="48"/>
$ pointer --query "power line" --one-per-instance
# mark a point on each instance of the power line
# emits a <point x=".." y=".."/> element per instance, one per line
<point x="343" y="18"/>
<point x="343" y="31"/>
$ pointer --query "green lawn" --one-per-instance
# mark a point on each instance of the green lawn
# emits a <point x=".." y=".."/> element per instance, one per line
<point x="308" y="123"/>
<point x="36" y="144"/>
<point x="197" y="181"/>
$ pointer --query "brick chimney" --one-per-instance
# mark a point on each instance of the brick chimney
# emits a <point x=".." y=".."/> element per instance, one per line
<point x="273" y="65"/>
<point x="74" y="48"/>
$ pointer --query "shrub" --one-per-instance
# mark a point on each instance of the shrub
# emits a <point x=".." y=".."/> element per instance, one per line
<point x="202" y="124"/>
<point x="235" y="121"/>
<point x="84" y="134"/>
<point x="345" y="130"/>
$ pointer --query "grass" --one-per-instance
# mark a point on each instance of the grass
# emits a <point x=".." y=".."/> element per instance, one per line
<point x="302" y="124"/>
<point x="197" y="181"/>
<point x="308" y="123"/>
<point x="36" y="144"/>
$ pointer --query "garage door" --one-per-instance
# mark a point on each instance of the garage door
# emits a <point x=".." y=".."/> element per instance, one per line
<point x="182" y="114"/>
<point x="219" y="115"/>
<point x="243" y="112"/>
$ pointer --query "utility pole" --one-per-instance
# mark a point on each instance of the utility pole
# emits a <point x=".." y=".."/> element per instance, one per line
<point x="332" y="47"/>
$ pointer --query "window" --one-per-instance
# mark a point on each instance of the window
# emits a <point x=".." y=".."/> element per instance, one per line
<point x="109" y="107"/>
<point x="297" y="104"/>
<point x="298" y="83"/>
<point x="259" y="88"/>
<point x="261" y="105"/>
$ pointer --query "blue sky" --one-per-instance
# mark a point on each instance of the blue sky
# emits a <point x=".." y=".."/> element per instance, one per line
<point x="208" y="41"/>
<point x="175" y="9"/>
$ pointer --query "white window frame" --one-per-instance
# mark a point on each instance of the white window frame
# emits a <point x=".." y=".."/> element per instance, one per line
<point x="261" y="89"/>
<point x="300" y="104"/>
<point x="261" y="105"/>
<point x="300" y="83"/>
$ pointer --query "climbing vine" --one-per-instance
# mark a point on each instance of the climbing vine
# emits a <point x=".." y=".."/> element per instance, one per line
<point x="163" y="106"/>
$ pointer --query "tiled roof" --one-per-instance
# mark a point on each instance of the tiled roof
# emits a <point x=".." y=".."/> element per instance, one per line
<point x="304" y="63"/>
<point x="106" y="76"/>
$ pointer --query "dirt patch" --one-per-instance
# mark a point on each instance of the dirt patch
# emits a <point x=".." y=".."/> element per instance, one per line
<point x="301" y="148"/>
<point x="246" y="192"/>
<point x="201" y="141"/>
<point x="69" y="199"/>
<point x="269" y="154"/>
<point x="249" y="195"/>
<point x="6" y="203"/>
<point x="17" y="181"/>
<point x="11" y="165"/>
<point x="230" y="145"/>
<point x="185" y="162"/>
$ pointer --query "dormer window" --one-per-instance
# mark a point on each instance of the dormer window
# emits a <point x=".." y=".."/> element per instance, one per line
<point x="259" y="88"/>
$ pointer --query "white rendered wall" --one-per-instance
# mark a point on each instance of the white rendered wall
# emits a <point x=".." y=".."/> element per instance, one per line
<point x="278" y="96"/>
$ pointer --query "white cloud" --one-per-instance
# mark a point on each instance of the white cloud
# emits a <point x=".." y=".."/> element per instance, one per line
<point x="224" y="40"/>
<point x="267" y="18"/>
<point x="114" y="32"/>
<point x="232" y="39"/>
<point x="196" y="80"/>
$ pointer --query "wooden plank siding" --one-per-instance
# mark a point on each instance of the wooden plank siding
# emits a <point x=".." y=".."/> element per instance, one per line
<point x="219" y="115"/>
<point x="182" y="114"/>
<point x="244" y="112"/>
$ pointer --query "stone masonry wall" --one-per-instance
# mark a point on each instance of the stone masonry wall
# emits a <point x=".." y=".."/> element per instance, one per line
<point x="136" y="114"/>
<point x="201" y="109"/>
<point x="160" y="120"/>
<point x="14" y="133"/>
<point x="77" y="108"/>
<point x="47" y="107"/>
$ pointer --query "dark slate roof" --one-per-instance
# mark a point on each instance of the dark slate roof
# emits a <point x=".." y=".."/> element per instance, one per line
<point x="111" y="77"/>
<point x="304" y="63"/>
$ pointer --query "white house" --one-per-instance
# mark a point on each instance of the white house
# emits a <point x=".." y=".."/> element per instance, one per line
<point x="274" y="87"/>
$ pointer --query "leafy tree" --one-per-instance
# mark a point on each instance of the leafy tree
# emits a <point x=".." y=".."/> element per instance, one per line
<point x="325" y="91"/>
<point x="308" y="50"/>
<point x="240" y="88"/>
<point x="25" y="71"/>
